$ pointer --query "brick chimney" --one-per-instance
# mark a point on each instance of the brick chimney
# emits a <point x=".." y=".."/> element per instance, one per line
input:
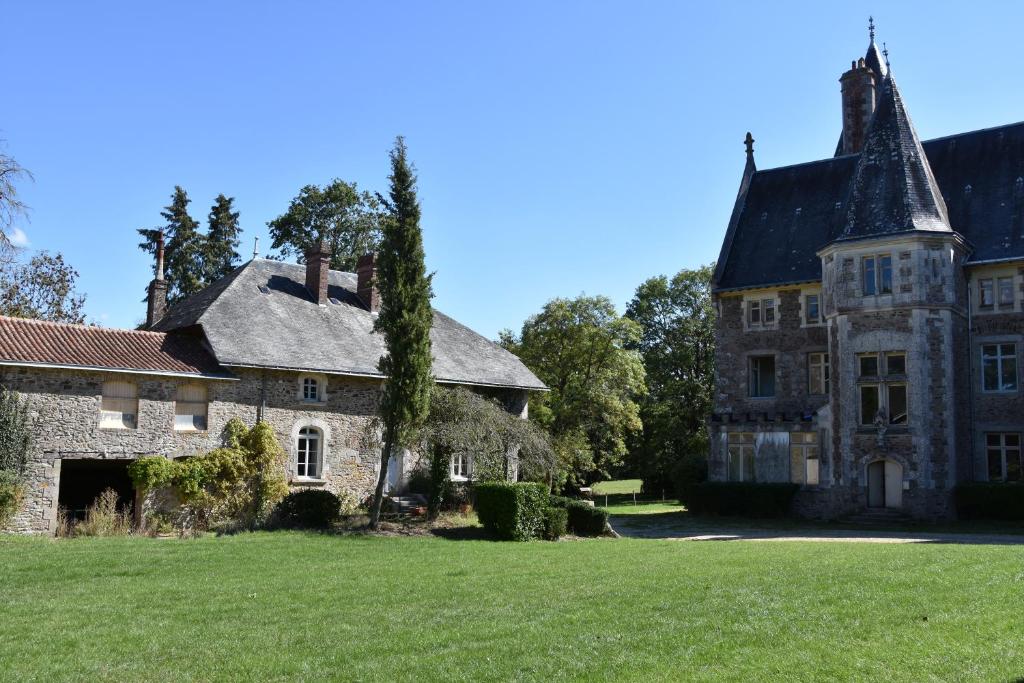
<point x="858" y="88"/>
<point x="318" y="265"/>
<point x="366" y="288"/>
<point x="156" y="302"/>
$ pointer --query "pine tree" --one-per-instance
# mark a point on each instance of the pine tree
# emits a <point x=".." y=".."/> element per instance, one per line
<point x="219" y="253"/>
<point x="405" y="318"/>
<point x="183" y="251"/>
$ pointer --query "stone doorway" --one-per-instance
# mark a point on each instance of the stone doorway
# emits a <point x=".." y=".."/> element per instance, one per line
<point x="885" y="484"/>
<point x="83" y="480"/>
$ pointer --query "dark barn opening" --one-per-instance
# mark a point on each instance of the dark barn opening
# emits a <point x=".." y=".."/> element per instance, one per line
<point x="82" y="481"/>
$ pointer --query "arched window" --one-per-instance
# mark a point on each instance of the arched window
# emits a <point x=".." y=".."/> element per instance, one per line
<point x="307" y="453"/>
<point x="120" y="405"/>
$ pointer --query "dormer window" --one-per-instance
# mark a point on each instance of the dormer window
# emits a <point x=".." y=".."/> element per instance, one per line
<point x="312" y="389"/>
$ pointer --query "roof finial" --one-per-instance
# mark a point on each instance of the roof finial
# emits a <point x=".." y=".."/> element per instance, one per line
<point x="885" y="53"/>
<point x="871" y="28"/>
<point x="749" y="142"/>
<point x="256" y="247"/>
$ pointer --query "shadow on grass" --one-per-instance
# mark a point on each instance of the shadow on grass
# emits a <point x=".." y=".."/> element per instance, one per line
<point x="461" y="533"/>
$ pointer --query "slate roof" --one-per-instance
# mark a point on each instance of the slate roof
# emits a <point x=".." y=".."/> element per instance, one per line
<point x="261" y="315"/>
<point x="35" y="342"/>
<point x="893" y="189"/>
<point x="788" y="214"/>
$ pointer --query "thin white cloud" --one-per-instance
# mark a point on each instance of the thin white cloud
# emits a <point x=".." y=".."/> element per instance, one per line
<point x="18" y="237"/>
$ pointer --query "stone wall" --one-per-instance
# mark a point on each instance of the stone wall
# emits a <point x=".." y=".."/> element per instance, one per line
<point x="65" y="405"/>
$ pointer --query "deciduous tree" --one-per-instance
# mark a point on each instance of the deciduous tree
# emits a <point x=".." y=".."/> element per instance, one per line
<point x="677" y="323"/>
<point x="11" y="206"/>
<point x="580" y="348"/>
<point x="405" y="318"/>
<point x="348" y="219"/>
<point x="42" y="288"/>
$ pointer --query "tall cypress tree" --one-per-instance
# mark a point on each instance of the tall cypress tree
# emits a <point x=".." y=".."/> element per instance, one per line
<point x="183" y="250"/>
<point x="221" y="243"/>
<point x="405" y="318"/>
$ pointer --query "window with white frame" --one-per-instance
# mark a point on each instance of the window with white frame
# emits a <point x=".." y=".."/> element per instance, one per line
<point x="986" y="293"/>
<point x="876" y="274"/>
<point x="1004" y="456"/>
<point x="1005" y="292"/>
<point x="190" y="408"/>
<point x="120" y="405"/>
<point x="312" y="389"/>
<point x="460" y="466"/>
<point x="308" y="450"/>
<point x="762" y="376"/>
<point x="761" y="313"/>
<point x="882" y="385"/>
<point x="999" y="367"/>
<point x="817" y="373"/>
<point x="741" y="457"/>
<point x="812" y="309"/>
<point x="804" y="460"/>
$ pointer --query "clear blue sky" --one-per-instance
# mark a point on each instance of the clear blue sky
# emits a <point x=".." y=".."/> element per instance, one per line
<point x="562" y="147"/>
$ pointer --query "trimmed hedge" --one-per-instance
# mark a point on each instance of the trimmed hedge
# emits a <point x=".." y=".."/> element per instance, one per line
<point x="988" y="500"/>
<point x="309" y="509"/>
<point x="585" y="519"/>
<point x="746" y="499"/>
<point x="556" y="522"/>
<point x="512" y="511"/>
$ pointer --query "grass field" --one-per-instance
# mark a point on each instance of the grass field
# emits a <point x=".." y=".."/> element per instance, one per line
<point x="275" y="606"/>
<point x="617" y="498"/>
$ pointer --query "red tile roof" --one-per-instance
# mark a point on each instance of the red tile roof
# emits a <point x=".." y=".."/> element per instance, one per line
<point x="37" y="342"/>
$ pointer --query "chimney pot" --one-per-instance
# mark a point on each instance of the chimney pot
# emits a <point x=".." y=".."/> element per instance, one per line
<point x="366" y="288"/>
<point x="318" y="265"/>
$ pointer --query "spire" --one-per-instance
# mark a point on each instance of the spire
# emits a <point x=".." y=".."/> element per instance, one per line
<point x="893" y="187"/>
<point x="749" y="143"/>
<point x="874" y="58"/>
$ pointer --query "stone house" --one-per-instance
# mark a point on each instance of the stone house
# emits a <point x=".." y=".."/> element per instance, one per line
<point x="871" y="314"/>
<point x="288" y="344"/>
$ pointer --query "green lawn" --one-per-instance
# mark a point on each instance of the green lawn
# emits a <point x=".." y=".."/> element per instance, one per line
<point x="617" y="497"/>
<point x="294" y="606"/>
<point x="617" y="486"/>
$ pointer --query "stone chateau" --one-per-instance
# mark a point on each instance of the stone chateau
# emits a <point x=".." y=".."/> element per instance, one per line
<point x="871" y="314"/>
<point x="289" y="344"/>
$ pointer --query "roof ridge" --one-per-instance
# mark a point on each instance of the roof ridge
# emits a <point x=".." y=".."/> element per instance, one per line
<point x="81" y="326"/>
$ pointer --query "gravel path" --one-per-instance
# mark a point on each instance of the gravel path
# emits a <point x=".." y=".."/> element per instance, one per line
<point x="648" y="526"/>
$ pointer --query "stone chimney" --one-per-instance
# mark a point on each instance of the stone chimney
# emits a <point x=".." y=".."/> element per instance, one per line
<point x="858" y="88"/>
<point x="156" y="302"/>
<point x="318" y="265"/>
<point x="366" y="289"/>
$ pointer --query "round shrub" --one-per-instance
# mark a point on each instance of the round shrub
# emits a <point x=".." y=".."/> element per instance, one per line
<point x="308" y="509"/>
<point x="585" y="519"/>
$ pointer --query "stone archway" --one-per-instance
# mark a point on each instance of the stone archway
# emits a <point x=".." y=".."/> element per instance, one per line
<point x="885" y="484"/>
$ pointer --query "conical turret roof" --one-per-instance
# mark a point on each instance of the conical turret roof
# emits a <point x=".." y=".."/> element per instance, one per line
<point x="893" y="188"/>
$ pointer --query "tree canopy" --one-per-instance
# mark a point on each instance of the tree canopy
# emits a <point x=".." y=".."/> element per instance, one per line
<point x="677" y="323"/>
<point x="349" y="220"/>
<point x="42" y="288"/>
<point x="582" y="350"/>
<point x="220" y="245"/>
<point x="11" y="206"/>
<point x="405" y="317"/>
<point x="183" y="250"/>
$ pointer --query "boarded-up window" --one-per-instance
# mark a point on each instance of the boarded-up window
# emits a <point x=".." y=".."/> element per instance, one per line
<point x="190" y="408"/>
<point x="741" y="456"/>
<point x="803" y="456"/>
<point x="120" y="405"/>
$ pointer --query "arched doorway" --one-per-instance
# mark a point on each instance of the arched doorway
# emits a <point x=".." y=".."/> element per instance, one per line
<point x="885" y="484"/>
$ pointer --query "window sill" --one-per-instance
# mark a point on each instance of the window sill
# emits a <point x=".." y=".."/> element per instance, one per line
<point x="999" y="392"/>
<point x="318" y="403"/>
<point x="458" y="479"/>
<point x="190" y="431"/>
<point x="889" y="429"/>
<point x="110" y="428"/>
<point x="307" y="481"/>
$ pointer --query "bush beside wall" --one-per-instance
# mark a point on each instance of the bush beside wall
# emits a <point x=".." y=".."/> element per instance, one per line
<point x="308" y="509"/>
<point x="512" y="511"/>
<point x="556" y="523"/>
<point x="739" y="499"/>
<point x="987" y="500"/>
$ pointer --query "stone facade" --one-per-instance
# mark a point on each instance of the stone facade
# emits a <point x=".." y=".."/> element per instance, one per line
<point x="932" y="319"/>
<point x="65" y="405"/>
